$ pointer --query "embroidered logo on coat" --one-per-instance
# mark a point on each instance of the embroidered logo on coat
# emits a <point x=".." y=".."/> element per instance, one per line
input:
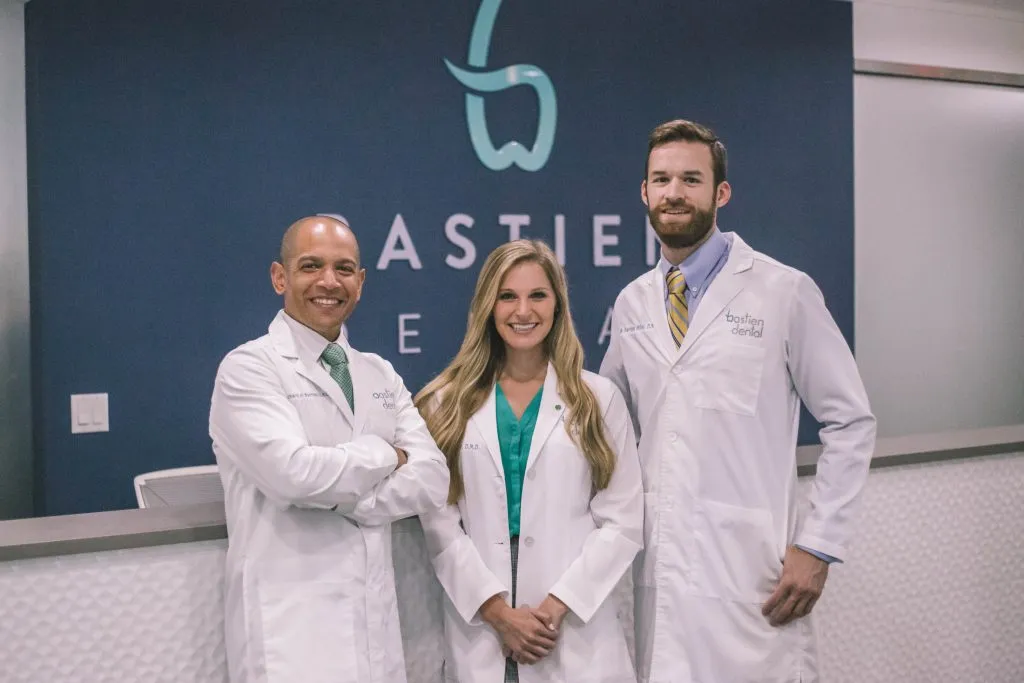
<point x="745" y="325"/>
<point x="386" y="398"/>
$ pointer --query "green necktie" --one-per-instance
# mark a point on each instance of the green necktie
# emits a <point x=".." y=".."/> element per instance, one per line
<point x="336" y="357"/>
<point x="678" y="311"/>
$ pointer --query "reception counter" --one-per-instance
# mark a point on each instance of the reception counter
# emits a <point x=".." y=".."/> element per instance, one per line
<point x="932" y="591"/>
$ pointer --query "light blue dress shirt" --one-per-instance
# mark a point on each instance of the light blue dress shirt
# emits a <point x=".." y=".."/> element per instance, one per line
<point x="699" y="270"/>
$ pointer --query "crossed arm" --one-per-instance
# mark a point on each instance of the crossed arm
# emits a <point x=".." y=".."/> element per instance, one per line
<point x="257" y="428"/>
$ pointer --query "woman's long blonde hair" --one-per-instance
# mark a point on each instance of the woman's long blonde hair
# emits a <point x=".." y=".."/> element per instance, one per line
<point x="456" y="394"/>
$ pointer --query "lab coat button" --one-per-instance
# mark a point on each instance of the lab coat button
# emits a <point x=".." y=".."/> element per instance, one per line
<point x="528" y="541"/>
<point x="532" y="474"/>
<point x="672" y="437"/>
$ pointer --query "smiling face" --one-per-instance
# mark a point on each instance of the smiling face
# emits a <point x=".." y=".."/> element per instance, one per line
<point x="680" y="193"/>
<point x="525" y="307"/>
<point x="319" y="276"/>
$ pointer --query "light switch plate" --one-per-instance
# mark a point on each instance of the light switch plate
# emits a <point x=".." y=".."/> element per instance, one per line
<point x="89" y="413"/>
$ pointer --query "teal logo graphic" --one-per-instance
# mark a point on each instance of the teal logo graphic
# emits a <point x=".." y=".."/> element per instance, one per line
<point x="497" y="80"/>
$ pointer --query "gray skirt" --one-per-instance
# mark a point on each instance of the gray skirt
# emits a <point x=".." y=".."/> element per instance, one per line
<point x="512" y="667"/>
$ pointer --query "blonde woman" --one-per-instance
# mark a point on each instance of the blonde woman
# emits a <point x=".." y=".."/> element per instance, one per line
<point x="545" y="507"/>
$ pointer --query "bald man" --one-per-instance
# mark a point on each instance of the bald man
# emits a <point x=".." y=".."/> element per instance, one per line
<point x="320" y="449"/>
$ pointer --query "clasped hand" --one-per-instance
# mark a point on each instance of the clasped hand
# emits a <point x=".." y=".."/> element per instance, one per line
<point x="528" y="634"/>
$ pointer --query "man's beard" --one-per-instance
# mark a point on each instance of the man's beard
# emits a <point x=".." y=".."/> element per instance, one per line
<point x="680" y="236"/>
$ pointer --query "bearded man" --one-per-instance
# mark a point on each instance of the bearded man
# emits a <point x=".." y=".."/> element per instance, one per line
<point x="713" y="350"/>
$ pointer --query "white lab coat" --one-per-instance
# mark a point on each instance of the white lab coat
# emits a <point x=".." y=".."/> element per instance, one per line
<point x="309" y="591"/>
<point x="574" y="543"/>
<point x="717" y="420"/>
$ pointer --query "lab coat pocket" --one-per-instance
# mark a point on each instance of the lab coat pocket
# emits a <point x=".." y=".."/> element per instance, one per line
<point x="736" y="559"/>
<point x="731" y="379"/>
<point x="308" y="631"/>
<point x="595" y="652"/>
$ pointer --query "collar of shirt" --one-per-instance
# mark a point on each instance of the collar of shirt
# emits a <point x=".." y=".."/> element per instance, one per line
<point x="700" y="265"/>
<point x="310" y="344"/>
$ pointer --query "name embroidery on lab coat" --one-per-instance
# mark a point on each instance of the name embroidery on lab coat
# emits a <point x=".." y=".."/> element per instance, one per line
<point x="636" y="329"/>
<point x="307" y="394"/>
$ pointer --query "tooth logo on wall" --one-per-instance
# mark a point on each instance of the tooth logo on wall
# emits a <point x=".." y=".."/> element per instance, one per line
<point x="496" y="80"/>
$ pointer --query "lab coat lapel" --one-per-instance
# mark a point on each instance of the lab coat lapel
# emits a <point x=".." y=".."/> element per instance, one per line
<point x="724" y="288"/>
<point x="361" y="390"/>
<point x="485" y="421"/>
<point x="654" y="303"/>
<point x="320" y="377"/>
<point x="285" y="345"/>
<point x="550" y="415"/>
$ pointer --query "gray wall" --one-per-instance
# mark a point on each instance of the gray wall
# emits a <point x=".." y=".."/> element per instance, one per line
<point x="986" y="35"/>
<point x="15" y="390"/>
<point x="939" y="226"/>
<point x="939" y="310"/>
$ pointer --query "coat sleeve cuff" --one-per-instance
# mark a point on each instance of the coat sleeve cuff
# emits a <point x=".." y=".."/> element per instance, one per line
<point x="468" y="583"/>
<point x="821" y="556"/>
<point x="819" y="546"/>
<point x="581" y="608"/>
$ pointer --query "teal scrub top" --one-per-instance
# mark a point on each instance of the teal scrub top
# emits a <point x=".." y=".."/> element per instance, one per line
<point x="514" y="437"/>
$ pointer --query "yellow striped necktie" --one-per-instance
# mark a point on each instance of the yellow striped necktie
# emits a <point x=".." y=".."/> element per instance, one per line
<point x="678" y="313"/>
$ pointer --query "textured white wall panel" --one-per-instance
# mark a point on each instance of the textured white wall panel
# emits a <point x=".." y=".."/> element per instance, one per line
<point x="148" y="614"/>
<point x="933" y="592"/>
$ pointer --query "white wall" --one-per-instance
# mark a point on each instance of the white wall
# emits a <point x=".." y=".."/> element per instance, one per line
<point x="15" y="394"/>
<point x="939" y="226"/>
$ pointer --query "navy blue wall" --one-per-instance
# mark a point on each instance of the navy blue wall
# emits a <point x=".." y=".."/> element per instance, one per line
<point x="172" y="141"/>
